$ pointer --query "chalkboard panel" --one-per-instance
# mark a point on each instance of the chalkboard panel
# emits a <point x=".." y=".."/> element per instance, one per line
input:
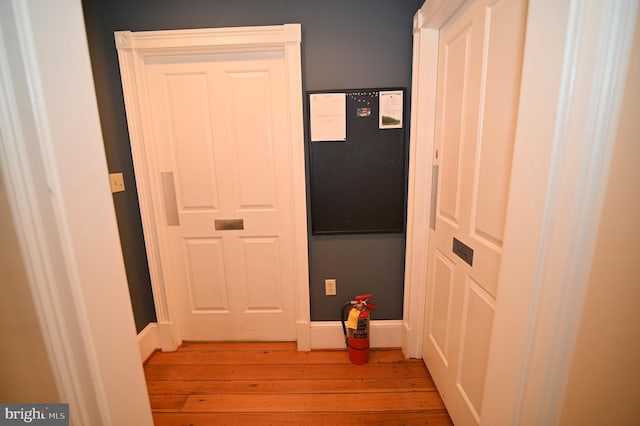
<point x="358" y="185"/>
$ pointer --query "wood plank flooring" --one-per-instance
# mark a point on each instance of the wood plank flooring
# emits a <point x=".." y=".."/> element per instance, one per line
<point x="273" y="384"/>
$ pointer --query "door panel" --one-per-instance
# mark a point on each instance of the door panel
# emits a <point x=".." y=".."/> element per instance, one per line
<point x="204" y="258"/>
<point x="493" y="148"/>
<point x="251" y="100"/>
<point x="263" y="276"/>
<point x="440" y="307"/>
<point x="493" y="160"/>
<point x="480" y="55"/>
<point x="452" y="125"/>
<point x="474" y="344"/>
<point x="220" y="126"/>
<point x="190" y="139"/>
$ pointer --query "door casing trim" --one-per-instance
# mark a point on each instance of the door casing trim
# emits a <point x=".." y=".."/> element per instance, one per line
<point x="426" y="33"/>
<point x="133" y="49"/>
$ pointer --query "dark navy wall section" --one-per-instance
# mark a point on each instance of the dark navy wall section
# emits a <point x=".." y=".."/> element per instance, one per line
<point x="346" y="44"/>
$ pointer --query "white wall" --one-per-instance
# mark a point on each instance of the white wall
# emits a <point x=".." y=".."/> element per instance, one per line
<point x="25" y="372"/>
<point x="603" y="382"/>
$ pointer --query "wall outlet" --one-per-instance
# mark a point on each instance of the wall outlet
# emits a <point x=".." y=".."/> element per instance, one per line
<point x="330" y="287"/>
<point x="117" y="182"/>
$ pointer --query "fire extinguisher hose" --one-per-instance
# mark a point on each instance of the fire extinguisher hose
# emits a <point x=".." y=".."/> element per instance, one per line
<point x="343" y="317"/>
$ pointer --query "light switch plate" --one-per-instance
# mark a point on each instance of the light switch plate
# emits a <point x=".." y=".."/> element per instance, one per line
<point x="330" y="287"/>
<point x="117" y="182"/>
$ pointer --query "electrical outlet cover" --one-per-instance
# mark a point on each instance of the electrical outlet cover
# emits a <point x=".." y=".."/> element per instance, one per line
<point x="330" y="287"/>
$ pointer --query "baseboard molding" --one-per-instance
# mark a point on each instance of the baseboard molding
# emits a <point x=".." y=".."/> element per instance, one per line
<point x="148" y="341"/>
<point x="411" y="342"/>
<point x="329" y="335"/>
<point x="323" y="335"/>
<point x="303" y="336"/>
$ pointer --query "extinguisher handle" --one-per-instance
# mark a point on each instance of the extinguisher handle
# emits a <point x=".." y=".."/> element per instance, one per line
<point x="369" y="305"/>
<point x="363" y="297"/>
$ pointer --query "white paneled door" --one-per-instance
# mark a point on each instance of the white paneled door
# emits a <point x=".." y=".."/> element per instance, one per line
<point x="223" y="160"/>
<point x="479" y="67"/>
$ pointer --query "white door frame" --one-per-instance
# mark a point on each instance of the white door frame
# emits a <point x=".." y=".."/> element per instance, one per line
<point x="575" y="60"/>
<point x="133" y="49"/>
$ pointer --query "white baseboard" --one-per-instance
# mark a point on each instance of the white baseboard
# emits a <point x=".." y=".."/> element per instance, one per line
<point x="411" y="342"/>
<point x="323" y="335"/>
<point x="329" y="335"/>
<point x="148" y="341"/>
<point x="303" y="336"/>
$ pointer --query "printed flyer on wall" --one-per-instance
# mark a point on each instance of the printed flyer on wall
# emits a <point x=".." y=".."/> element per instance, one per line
<point x="328" y="114"/>
<point x="391" y="104"/>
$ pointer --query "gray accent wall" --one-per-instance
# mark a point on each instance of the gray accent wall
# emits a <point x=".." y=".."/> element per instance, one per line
<point x="346" y="44"/>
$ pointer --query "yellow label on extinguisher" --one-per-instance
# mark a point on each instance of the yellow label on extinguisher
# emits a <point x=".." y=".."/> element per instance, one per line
<point x="352" y="322"/>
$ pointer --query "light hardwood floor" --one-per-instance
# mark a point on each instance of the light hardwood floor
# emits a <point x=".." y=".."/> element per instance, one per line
<point x="272" y="383"/>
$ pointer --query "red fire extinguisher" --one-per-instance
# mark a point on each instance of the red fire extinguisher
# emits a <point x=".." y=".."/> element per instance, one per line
<point x="357" y="336"/>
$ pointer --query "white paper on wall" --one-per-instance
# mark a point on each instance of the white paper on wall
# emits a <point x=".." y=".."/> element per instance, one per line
<point x="328" y="115"/>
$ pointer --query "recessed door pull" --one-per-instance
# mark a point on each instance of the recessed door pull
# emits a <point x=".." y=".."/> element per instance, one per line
<point x="434" y="195"/>
<point x="170" y="202"/>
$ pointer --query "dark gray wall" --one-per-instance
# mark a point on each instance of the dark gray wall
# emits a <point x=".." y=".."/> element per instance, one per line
<point x="346" y="44"/>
